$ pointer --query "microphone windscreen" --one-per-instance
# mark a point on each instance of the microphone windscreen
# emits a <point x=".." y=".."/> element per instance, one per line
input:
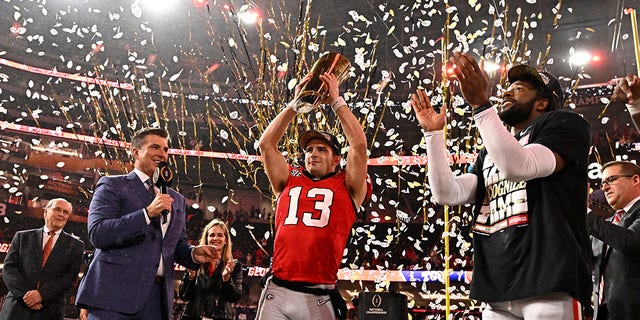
<point x="165" y="174"/>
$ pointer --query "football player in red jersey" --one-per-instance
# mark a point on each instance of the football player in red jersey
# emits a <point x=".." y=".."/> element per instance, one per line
<point x="315" y="210"/>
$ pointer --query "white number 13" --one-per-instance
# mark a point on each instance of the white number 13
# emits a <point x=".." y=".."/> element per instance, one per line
<point x="323" y="205"/>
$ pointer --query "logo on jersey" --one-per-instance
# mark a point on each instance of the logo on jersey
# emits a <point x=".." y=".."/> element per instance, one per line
<point x="295" y="172"/>
<point x="523" y="136"/>
<point x="505" y="203"/>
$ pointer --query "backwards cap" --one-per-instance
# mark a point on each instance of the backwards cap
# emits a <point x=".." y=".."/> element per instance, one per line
<point x="330" y="139"/>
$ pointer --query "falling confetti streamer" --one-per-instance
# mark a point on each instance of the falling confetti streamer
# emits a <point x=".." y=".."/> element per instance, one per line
<point x="219" y="82"/>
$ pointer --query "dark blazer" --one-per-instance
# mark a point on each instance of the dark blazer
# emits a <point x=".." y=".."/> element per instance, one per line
<point x="128" y="249"/>
<point x="22" y="272"/>
<point x="619" y="264"/>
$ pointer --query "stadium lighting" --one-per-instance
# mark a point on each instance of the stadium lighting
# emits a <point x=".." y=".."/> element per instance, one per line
<point x="580" y="58"/>
<point x="158" y="6"/>
<point x="200" y="3"/>
<point x="248" y="16"/>
<point x="491" y="67"/>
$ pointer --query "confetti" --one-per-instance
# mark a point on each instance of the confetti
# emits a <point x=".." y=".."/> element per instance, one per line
<point x="217" y="83"/>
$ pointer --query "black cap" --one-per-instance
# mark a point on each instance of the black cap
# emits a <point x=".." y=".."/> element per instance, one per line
<point x="549" y="82"/>
<point x="330" y="139"/>
<point x="599" y="205"/>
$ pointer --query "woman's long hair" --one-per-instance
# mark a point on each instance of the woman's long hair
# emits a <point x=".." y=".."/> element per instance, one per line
<point x="227" y="253"/>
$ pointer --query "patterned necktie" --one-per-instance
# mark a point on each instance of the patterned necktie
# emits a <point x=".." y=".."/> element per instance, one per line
<point x="150" y="188"/>
<point x="618" y="216"/>
<point x="47" y="247"/>
<point x="155" y="222"/>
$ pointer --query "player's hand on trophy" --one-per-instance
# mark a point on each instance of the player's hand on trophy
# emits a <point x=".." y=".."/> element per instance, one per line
<point x="295" y="103"/>
<point x="333" y="90"/>
<point x="301" y="84"/>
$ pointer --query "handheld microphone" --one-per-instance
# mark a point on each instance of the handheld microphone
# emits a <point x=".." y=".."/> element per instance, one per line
<point x="162" y="178"/>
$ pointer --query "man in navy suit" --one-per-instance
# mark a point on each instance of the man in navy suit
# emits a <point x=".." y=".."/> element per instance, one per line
<point x="37" y="288"/>
<point x="617" y="294"/>
<point x="131" y="275"/>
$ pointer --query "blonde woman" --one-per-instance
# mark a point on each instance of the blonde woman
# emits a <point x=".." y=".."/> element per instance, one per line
<point x="211" y="290"/>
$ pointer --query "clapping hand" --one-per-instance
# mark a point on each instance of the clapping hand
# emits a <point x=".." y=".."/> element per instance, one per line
<point x="429" y="119"/>
<point x="472" y="77"/>
<point x="228" y="268"/>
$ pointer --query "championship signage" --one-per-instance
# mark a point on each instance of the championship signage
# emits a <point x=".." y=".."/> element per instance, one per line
<point x="382" y="306"/>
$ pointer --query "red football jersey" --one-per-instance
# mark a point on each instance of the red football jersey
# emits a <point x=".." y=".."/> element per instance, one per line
<point x="313" y="221"/>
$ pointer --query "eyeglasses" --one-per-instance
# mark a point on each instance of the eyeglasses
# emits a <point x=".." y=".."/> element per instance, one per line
<point x="610" y="179"/>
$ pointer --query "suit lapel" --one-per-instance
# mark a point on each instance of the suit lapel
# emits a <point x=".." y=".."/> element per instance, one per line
<point x="630" y="216"/>
<point x="626" y="221"/>
<point x="38" y="235"/>
<point x="138" y="187"/>
<point x="173" y="210"/>
<point x="58" y="247"/>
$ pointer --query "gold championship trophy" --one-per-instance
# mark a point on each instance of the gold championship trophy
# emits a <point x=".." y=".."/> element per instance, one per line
<point x="314" y="91"/>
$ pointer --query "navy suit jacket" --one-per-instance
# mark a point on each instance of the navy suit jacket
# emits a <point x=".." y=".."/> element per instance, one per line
<point x="620" y="263"/>
<point x="127" y="254"/>
<point x="23" y="272"/>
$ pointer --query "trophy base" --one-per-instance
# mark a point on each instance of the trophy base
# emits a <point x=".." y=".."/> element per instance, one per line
<point x="303" y="107"/>
<point x="307" y="102"/>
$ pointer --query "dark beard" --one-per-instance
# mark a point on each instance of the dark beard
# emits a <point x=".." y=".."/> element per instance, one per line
<point x="517" y="113"/>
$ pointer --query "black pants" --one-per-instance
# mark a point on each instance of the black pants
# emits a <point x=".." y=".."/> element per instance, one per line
<point x="603" y="312"/>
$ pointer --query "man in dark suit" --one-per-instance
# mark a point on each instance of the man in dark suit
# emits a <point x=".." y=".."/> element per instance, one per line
<point x="131" y="275"/>
<point x="617" y="285"/>
<point x="41" y="265"/>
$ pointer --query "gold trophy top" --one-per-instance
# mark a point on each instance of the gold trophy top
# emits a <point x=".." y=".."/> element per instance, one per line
<point x="314" y="91"/>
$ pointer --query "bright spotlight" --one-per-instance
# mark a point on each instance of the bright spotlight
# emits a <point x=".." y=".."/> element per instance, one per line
<point x="158" y="6"/>
<point x="200" y="3"/>
<point x="491" y="67"/>
<point x="449" y="70"/>
<point x="248" y="16"/>
<point x="580" y="58"/>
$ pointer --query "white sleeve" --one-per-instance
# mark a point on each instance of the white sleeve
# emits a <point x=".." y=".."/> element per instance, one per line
<point x="516" y="162"/>
<point x="447" y="188"/>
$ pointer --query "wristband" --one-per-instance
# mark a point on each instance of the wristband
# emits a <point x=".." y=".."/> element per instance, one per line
<point x="339" y="103"/>
<point x="291" y="105"/>
<point x="483" y="107"/>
